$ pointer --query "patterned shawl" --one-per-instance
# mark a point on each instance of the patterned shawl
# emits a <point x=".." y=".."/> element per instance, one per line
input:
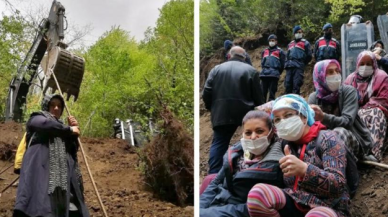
<point x="373" y="90"/>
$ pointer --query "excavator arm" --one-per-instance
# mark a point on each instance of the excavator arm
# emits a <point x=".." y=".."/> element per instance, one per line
<point x="67" y="67"/>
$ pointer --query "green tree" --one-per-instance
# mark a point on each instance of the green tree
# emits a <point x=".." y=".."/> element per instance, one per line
<point x="113" y="84"/>
<point x="172" y="44"/>
<point x="14" y="43"/>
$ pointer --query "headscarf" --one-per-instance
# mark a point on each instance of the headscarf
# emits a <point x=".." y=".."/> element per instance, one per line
<point x="369" y="79"/>
<point x="383" y="53"/>
<point x="297" y="103"/>
<point x="45" y="105"/>
<point x="372" y="56"/>
<point x="374" y="44"/>
<point x="372" y="91"/>
<point x="320" y="84"/>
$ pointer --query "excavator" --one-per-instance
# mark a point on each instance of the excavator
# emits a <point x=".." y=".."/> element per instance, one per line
<point x="48" y="45"/>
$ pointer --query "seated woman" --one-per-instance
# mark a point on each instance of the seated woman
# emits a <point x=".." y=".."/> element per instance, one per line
<point x="50" y="180"/>
<point x="253" y="160"/>
<point x="372" y="88"/>
<point x="336" y="107"/>
<point x="314" y="167"/>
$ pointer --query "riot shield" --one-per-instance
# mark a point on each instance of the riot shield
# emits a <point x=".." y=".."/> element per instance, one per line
<point x="134" y="133"/>
<point x="355" y="38"/>
<point x="382" y="23"/>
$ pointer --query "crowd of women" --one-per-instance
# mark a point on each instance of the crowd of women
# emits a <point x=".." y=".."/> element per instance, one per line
<point x="292" y="157"/>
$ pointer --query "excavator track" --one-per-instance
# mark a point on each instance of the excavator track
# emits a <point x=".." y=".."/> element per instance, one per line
<point x="68" y="69"/>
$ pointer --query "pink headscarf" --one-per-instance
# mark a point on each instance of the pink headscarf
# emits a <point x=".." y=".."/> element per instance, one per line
<point x="373" y="90"/>
<point x="319" y="78"/>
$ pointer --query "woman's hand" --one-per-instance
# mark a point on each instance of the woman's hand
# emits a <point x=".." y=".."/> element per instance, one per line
<point x="75" y="130"/>
<point x="291" y="165"/>
<point x="318" y="112"/>
<point x="72" y="121"/>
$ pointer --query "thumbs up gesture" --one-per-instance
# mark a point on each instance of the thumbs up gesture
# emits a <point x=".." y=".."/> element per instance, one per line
<point x="291" y="165"/>
<point x="287" y="150"/>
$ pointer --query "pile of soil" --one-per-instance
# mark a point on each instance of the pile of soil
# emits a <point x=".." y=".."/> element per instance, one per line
<point x="169" y="162"/>
<point x="371" y="195"/>
<point x="10" y="135"/>
<point x="115" y="169"/>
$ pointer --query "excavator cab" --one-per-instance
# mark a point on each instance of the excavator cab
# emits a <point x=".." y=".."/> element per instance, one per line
<point x="67" y="67"/>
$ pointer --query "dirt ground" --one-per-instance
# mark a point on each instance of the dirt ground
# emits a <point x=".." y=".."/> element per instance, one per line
<point x="114" y="167"/>
<point x="371" y="196"/>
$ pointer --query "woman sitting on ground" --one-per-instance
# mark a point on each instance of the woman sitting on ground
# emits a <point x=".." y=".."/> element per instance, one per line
<point x="371" y="84"/>
<point x="336" y="107"/>
<point x="253" y="160"/>
<point x="314" y="167"/>
<point x="50" y="180"/>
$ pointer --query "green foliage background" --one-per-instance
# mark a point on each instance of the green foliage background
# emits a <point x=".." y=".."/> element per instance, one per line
<point x="229" y="19"/>
<point x="123" y="78"/>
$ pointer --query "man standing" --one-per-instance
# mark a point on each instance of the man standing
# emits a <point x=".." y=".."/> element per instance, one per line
<point x="272" y="63"/>
<point x="231" y="90"/>
<point x="327" y="47"/>
<point x="298" y="56"/>
<point x="228" y="44"/>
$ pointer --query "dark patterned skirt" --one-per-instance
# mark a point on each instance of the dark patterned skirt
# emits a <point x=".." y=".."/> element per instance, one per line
<point x="376" y="122"/>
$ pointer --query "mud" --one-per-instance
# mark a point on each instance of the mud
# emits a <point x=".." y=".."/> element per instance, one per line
<point x="115" y="169"/>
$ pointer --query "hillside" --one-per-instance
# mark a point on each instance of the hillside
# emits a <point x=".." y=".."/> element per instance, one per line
<point x="368" y="201"/>
<point x="115" y="169"/>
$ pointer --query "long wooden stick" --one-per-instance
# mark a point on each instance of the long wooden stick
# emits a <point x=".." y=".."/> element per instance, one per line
<point x="375" y="164"/>
<point x="6" y="169"/>
<point x="83" y="152"/>
<point x="4" y="189"/>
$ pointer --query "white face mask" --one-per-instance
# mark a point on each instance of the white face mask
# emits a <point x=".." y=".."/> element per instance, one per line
<point x="365" y="71"/>
<point x="290" y="129"/>
<point x="333" y="82"/>
<point x="256" y="146"/>
<point x="272" y="43"/>
<point x="298" y="35"/>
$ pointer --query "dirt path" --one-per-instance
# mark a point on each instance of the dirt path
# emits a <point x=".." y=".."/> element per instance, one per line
<point x="114" y="167"/>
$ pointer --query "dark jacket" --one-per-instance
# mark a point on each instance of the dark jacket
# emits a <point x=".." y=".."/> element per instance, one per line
<point x="298" y="54"/>
<point x="231" y="90"/>
<point x="383" y="63"/>
<point x="32" y="195"/>
<point x="327" y="49"/>
<point x="349" y="119"/>
<point x="272" y="62"/>
<point x="227" y="194"/>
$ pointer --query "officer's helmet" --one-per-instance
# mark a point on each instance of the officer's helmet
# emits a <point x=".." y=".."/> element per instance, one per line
<point x="355" y="19"/>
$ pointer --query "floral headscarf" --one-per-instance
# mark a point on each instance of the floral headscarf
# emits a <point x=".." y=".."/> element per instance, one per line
<point x="372" y="56"/>
<point x="297" y="103"/>
<point x="319" y="78"/>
